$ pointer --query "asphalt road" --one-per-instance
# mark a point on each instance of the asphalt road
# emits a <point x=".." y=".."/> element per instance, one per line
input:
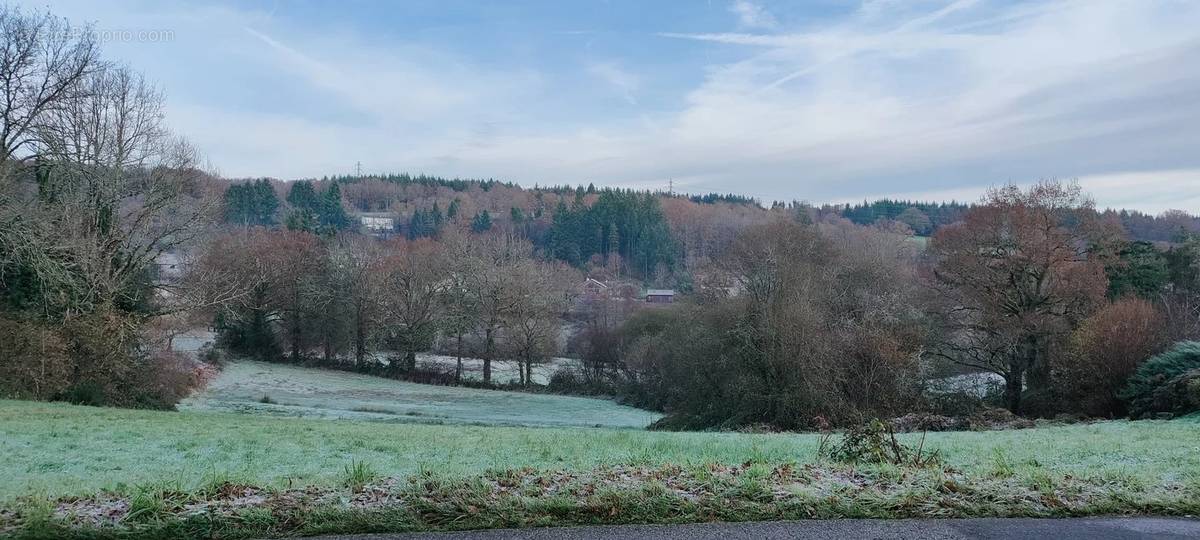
<point x="932" y="529"/>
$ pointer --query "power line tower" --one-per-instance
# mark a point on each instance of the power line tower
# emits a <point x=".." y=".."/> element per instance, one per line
<point x="671" y="186"/>
<point x="357" y="168"/>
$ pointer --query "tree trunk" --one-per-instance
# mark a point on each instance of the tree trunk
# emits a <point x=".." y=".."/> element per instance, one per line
<point x="489" y="343"/>
<point x="458" y="366"/>
<point x="410" y="360"/>
<point x="1013" y="384"/>
<point x="295" y="340"/>
<point x="360" y="342"/>
<point x="1037" y="364"/>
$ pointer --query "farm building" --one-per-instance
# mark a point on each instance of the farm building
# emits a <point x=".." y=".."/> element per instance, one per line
<point x="660" y="296"/>
<point x="594" y="287"/>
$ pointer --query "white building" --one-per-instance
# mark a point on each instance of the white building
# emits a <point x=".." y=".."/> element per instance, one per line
<point x="377" y="223"/>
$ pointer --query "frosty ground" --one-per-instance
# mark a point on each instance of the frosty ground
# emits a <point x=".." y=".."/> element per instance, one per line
<point x="339" y="452"/>
<point x="285" y="390"/>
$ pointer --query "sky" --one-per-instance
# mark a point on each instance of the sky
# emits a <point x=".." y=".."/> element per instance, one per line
<point x="818" y="100"/>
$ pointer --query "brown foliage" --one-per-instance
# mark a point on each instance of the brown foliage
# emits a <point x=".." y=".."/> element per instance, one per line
<point x="825" y="328"/>
<point x="1105" y="351"/>
<point x="1016" y="276"/>
<point x="34" y="362"/>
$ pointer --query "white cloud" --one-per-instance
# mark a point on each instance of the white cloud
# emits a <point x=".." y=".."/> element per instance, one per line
<point x="751" y="15"/>
<point x="624" y="82"/>
<point x="897" y="98"/>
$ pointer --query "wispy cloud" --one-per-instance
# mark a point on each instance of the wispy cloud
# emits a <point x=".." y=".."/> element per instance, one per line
<point x="624" y="82"/>
<point x="752" y="15"/>
<point x="895" y="97"/>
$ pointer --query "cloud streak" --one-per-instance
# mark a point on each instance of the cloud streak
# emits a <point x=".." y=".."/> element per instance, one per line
<point x="891" y="98"/>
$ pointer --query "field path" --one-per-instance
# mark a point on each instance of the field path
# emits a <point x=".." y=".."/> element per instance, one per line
<point x="929" y="529"/>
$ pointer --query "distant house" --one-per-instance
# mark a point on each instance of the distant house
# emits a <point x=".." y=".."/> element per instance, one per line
<point x="170" y="266"/>
<point x="377" y="223"/>
<point x="594" y="287"/>
<point x="660" y="296"/>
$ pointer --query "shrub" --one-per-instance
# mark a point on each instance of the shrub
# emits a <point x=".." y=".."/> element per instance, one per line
<point x="166" y="378"/>
<point x="875" y="442"/>
<point x="33" y="360"/>
<point x="1180" y="395"/>
<point x="211" y="355"/>
<point x="1166" y="383"/>
<point x="92" y="359"/>
<point x="1106" y="349"/>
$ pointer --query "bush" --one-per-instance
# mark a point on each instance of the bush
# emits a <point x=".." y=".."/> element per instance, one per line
<point x="875" y="442"/>
<point x="575" y="382"/>
<point x="165" y="378"/>
<point x="34" y="363"/>
<point x="1180" y="395"/>
<point x="1166" y="383"/>
<point x="1104" y="352"/>
<point x="211" y="355"/>
<point x="92" y="359"/>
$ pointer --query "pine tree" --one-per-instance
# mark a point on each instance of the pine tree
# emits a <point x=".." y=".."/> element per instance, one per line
<point x="266" y="203"/>
<point x="436" y="218"/>
<point x="419" y="225"/>
<point x="333" y="214"/>
<point x="452" y="210"/>
<point x="302" y="197"/>
<point x="481" y="222"/>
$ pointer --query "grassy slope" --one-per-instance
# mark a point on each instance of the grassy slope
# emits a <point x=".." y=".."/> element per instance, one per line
<point x="56" y="449"/>
<point x="298" y="391"/>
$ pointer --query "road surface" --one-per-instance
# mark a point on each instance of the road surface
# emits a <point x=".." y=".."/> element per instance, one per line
<point x="931" y="529"/>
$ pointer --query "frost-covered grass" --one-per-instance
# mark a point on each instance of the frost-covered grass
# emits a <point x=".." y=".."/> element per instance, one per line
<point x="146" y="474"/>
<point x="284" y="390"/>
<point x="58" y="449"/>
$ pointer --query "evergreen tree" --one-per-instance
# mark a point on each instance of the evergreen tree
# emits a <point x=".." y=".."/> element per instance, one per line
<point x="1141" y="269"/>
<point x="420" y="225"/>
<point x="306" y="207"/>
<point x="302" y="197"/>
<point x="481" y="222"/>
<point x="333" y="214"/>
<point x="251" y="203"/>
<point x="627" y="223"/>
<point x="266" y="203"/>
<point x="452" y="210"/>
<point x="436" y="218"/>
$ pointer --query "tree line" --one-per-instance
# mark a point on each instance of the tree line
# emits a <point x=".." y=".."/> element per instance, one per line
<point x="829" y="322"/>
<point x="371" y="305"/>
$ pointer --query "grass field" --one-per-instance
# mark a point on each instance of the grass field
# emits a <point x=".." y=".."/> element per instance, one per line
<point x="287" y="390"/>
<point x="57" y="449"/>
<point x="205" y="472"/>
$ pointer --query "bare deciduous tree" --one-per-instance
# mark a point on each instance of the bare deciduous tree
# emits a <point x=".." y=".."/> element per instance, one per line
<point x="413" y="284"/>
<point x="43" y="61"/>
<point x="532" y="325"/>
<point x="1016" y="276"/>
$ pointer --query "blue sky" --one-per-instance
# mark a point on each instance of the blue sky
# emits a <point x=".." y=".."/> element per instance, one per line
<point x="827" y="100"/>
